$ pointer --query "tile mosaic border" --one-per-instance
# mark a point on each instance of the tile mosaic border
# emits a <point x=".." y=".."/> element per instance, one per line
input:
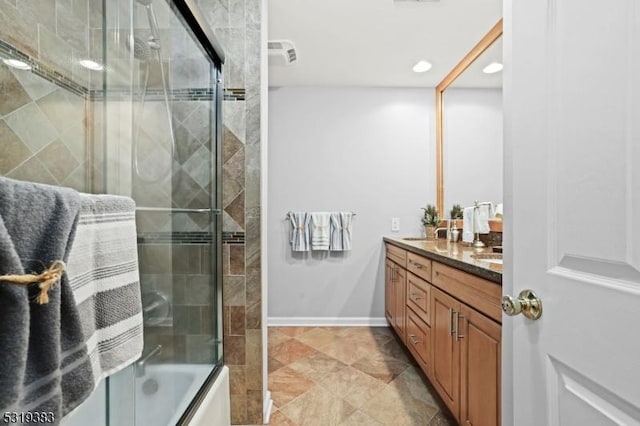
<point x="189" y="237"/>
<point x="175" y="238"/>
<point x="233" y="237"/>
<point x="7" y="51"/>
<point x="41" y="70"/>
<point x="188" y="94"/>
<point x="237" y="94"/>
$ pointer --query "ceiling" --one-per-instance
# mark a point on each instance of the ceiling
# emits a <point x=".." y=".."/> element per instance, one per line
<point x="376" y="42"/>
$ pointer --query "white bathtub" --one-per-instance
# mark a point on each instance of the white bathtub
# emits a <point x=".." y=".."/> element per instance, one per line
<point x="163" y="394"/>
<point x="176" y="388"/>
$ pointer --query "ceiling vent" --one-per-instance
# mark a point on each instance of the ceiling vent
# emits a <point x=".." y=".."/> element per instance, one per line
<point x="282" y="53"/>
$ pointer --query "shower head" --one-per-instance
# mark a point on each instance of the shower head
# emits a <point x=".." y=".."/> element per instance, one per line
<point x="141" y="49"/>
<point x="151" y="16"/>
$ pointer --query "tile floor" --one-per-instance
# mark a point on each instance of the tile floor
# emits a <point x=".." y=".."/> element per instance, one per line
<point x="347" y="376"/>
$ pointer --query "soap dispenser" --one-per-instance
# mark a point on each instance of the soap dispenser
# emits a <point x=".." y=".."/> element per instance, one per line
<point x="455" y="232"/>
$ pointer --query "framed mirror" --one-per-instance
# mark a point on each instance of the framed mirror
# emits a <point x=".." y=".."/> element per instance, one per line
<point x="469" y="128"/>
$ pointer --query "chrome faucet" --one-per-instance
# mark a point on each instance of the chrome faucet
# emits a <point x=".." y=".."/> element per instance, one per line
<point x="447" y="228"/>
<point x="142" y="362"/>
<point x="435" y="233"/>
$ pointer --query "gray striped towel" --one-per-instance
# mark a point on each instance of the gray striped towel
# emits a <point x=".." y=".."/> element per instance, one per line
<point x="103" y="274"/>
<point x="341" y="230"/>
<point x="299" y="231"/>
<point x="44" y="366"/>
<point x="336" y="232"/>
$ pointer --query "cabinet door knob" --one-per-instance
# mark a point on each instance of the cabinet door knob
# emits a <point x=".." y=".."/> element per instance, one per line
<point x="527" y="304"/>
<point x="414" y="342"/>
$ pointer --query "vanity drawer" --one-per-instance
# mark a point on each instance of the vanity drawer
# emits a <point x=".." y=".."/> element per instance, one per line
<point x="419" y="266"/>
<point x="483" y="295"/>
<point x="418" y="297"/>
<point x="397" y="254"/>
<point x="419" y="340"/>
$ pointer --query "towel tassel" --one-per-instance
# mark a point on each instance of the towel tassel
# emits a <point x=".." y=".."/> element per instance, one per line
<point x="46" y="280"/>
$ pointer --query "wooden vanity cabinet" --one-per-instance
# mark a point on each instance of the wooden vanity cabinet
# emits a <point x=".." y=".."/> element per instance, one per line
<point x="418" y="320"/>
<point x="389" y="293"/>
<point x="401" y="303"/>
<point x="450" y="322"/>
<point x="480" y="371"/>
<point x="395" y="289"/>
<point x="419" y="341"/>
<point x="446" y="349"/>
<point x="467" y="345"/>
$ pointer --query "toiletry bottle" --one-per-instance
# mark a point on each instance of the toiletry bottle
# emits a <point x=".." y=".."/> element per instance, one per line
<point x="455" y="233"/>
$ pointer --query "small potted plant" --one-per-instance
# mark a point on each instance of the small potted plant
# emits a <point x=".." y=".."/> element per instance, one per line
<point x="456" y="213"/>
<point x="431" y="221"/>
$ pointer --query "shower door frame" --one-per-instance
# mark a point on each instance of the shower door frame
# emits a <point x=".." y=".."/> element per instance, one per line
<point x="196" y="22"/>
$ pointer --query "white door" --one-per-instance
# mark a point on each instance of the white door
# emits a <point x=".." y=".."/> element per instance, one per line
<point x="572" y="187"/>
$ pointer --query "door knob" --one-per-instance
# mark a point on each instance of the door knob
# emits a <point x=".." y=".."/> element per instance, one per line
<point x="527" y="303"/>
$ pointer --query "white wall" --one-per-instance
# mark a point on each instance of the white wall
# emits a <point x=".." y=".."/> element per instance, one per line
<point x="366" y="150"/>
<point x="472" y="146"/>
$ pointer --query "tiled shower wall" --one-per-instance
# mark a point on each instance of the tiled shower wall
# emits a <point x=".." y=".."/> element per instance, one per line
<point x="55" y="32"/>
<point x="43" y="127"/>
<point x="42" y="130"/>
<point x="236" y="23"/>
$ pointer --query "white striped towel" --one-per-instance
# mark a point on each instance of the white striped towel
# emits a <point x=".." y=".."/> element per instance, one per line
<point x="299" y="232"/>
<point x="346" y="220"/>
<point x="104" y="277"/>
<point x="320" y="230"/>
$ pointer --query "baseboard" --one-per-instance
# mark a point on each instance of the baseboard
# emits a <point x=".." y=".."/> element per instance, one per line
<point x="327" y="322"/>
<point x="268" y="406"/>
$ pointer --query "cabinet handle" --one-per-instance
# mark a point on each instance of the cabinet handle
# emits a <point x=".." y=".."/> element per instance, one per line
<point x="415" y="342"/>
<point x="451" y="312"/>
<point x="458" y="335"/>
<point x="415" y="296"/>
<point x="416" y="264"/>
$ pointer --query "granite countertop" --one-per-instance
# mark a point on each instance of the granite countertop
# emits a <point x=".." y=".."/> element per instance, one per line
<point x="456" y="255"/>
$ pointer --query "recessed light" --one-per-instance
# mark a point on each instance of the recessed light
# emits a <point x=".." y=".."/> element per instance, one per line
<point x="17" y="64"/>
<point x="91" y="65"/>
<point x="492" y="68"/>
<point x="422" y="66"/>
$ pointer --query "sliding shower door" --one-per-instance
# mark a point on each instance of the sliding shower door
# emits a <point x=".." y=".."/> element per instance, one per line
<point x="160" y="146"/>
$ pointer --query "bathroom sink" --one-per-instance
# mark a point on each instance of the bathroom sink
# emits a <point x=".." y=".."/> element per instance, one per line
<point x="415" y="238"/>
<point x="489" y="257"/>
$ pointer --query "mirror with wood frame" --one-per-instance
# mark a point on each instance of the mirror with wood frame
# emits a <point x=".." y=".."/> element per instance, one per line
<point x="469" y="128"/>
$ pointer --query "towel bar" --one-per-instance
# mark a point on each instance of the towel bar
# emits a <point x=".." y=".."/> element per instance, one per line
<point x="175" y="210"/>
<point x="288" y="215"/>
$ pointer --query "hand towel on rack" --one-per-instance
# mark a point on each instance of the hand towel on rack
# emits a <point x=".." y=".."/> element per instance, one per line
<point x="103" y="274"/>
<point x="468" y="219"/>
<point x="299" y="232"/>
<point x="482" y="215"/>
<point x="44" y="364"/>
<point x="346" y="218"/>
<point x="320" y="230"/>
<point x="335" y="243"/>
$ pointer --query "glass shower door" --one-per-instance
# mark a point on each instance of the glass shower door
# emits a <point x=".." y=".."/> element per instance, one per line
<point x="161" y="94"/>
